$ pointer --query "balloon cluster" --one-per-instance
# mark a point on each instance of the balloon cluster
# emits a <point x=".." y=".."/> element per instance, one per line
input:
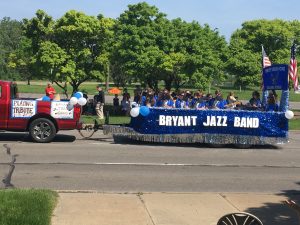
<point x="143" y="110"/>
<point x="77" y="98"/>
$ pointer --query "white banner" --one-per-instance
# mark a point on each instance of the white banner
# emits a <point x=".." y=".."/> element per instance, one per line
<point x="23" y="108"/>
<point x="59" y="110"/>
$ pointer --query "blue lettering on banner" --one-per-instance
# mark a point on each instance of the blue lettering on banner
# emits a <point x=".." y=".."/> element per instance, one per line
<point x="239" y="122"/>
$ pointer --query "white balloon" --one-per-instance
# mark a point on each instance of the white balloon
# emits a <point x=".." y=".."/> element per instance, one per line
<point x="134" y="112"/>
<point x="289" y="114"/>
<point x="73" y="101"/>
<point x="82" y="101"/>
<point x="70" y="107"/>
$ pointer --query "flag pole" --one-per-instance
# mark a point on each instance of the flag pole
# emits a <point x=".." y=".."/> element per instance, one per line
<point x="265" y="93"/>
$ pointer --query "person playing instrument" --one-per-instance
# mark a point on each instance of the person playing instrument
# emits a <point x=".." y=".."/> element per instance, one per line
<point x="231" y="101"/>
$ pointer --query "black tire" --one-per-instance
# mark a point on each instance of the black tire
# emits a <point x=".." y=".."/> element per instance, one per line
<point x="42" y="130"/>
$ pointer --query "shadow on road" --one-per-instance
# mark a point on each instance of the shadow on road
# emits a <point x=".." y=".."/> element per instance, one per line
<point x="24" y="137"/>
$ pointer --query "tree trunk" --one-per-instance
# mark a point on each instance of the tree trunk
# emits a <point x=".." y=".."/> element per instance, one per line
<point x="63" y="87"/>
<point x="74" y="87"/>
<point x="168" y="84"/>
<point x="107" y="78"/>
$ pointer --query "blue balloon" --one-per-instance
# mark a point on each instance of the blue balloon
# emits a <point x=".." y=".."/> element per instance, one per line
<point x="46" y="99"/>
<point x="77" y="95"/>
<point x="144" y="111"/>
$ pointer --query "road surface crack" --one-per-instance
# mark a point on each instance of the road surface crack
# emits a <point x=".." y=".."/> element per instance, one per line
<point x="7" y="178"/>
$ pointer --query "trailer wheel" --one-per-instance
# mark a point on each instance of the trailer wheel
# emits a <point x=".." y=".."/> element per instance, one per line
<point x="42" y="130"/>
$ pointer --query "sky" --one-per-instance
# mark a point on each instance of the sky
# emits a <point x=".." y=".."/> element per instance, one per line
<point x="225" y="15"/>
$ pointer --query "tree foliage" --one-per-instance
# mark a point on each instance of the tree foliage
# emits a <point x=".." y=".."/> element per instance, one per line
<point x="72" y="49"/>
<point x="10" y="40"/>
<point x="149" y="48"/>
<point x="141" y="45"/>
<point x="245" y="47"/>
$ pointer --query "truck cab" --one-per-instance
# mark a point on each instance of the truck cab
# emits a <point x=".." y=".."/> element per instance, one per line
<point x="42" y="119"/>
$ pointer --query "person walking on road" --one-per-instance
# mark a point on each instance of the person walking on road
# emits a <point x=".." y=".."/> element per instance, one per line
<point x="99" y="101"/>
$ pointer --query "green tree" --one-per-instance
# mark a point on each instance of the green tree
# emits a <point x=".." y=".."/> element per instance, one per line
<point x="149" y="48"/>
<point x="36" y="30"/>
<point x="84" y="39"/>
<point x="135" y="51"/>
<point x="72" y="49"/>
<point x="10" y="38"/>
<point x="245" y="47"/>
<point x="22" y="60"/>
<point x="53" y="60"/>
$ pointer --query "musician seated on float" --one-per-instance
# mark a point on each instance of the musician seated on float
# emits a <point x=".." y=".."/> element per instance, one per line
<point x="209" y="101"/>
<point x="143" y="98"/>
<point x="193" y="104"/>
<point x="231" y="101"/>
<point x="255" y="102"/>
<point x="218" y="102"/>
<point x="170" y="102"/>
<point x="160" y="99"/>
<point x="151" y="98"/>
<point x="201" y="105"/>
<point x="179" y="103"/>
<point x="272" y="105"/>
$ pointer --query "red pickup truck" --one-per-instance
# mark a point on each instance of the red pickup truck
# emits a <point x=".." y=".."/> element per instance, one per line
<point x="42" y="119"/>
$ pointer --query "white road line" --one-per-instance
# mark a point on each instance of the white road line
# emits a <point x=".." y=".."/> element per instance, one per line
<point x="152" y="164"/>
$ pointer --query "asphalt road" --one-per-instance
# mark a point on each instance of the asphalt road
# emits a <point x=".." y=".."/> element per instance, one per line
<point x="71" y="163"/>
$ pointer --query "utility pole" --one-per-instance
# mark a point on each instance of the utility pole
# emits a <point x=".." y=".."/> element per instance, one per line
<point x="107" y="78"/>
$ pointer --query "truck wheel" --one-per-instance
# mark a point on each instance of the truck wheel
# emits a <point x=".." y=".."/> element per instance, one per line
<point x="42" y="130"/>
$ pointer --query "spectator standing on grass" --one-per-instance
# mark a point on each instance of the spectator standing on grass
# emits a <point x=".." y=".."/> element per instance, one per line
<point x="50" y="91"/>
<point x="99" y="101"/>
<point x="125" y="103"/>
<point x="116" y="103"/>
<point x="126" y="94"/>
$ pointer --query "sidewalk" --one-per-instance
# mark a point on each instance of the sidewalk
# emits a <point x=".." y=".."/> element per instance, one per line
<point x="168" y="208"/>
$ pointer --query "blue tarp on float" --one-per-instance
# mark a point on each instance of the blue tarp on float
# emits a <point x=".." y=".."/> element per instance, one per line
<point x="232" y="122"/>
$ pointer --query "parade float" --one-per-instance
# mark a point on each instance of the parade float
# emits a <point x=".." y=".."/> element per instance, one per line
<point x="242" y="127"/>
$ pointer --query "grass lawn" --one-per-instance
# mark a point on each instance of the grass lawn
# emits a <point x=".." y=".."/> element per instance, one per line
<point x="112" y="119"/>
<point x="26" y="207"/>
<point x="90" y="88"/>
<point x="294" y="124"/>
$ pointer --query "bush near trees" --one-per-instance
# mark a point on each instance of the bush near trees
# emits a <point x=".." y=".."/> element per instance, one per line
<point x="141" y="45"/>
